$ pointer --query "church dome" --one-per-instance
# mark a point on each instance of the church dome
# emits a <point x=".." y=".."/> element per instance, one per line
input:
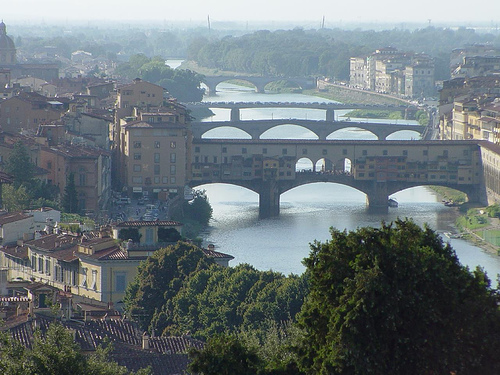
<point x="7" y="47"/>
<point x="5" y="41"/>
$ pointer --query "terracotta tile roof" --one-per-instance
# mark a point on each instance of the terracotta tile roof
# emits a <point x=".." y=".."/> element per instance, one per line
<point x="20" y="252"/>
<point x="11" y="217"/>
<point x="166" y="356"/>
<point x="216" y="254"/>
<point x="152" y="223"/>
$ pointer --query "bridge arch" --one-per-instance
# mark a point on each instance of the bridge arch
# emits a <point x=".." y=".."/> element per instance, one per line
<point x="293" y="131"/>
<point x="304" y="164"/>
<point x="226" y="132"/>
<point x="404" y="135"/>
<point x="352" y="132"/>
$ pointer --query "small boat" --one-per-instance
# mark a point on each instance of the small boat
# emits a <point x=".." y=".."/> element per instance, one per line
<point x="392" y="202"/>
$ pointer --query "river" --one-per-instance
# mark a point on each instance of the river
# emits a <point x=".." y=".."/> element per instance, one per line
<point x="307" y="212"/>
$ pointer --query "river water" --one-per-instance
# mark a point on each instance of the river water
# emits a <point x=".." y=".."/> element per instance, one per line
<point x="307" y="212"/>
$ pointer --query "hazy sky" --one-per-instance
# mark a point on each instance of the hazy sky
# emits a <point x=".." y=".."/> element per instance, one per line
<point x="450" y="11"/>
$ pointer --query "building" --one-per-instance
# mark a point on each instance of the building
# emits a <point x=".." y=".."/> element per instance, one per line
<point x="91" y="167"/>
<point x="154" y="150"/>
<point x="26" y="111"/>
<point x="390" y="71"/>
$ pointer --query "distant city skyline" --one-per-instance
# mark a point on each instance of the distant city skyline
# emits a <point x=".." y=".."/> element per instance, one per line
<point x="313" y="11"/>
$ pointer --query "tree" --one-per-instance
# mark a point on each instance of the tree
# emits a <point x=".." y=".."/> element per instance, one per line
<point x="396" y="300"/>
<point x="55" y="352"/>
<point x="159" y="278"/>
<point x="224" y="355"/>
<point x="19" y="165"/>
<point x="70" y="197"/>
<point x="15" y="199"/>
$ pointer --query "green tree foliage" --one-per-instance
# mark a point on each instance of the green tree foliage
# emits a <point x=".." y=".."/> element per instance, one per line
<point x="159" y="279"/>
<point x="325" y="52"/>
<point x="70" y="196"/>
<point x="184" y="85"/>
<point x="224" y="355"/>
<point x="199" y="209"/>
<point x="493" y="210"/>
<point x="395" y="300"/>
<point x="168" y="235"/>
<point x="249" y="352"/>
<point x="15" y="199"/>
<point x="232" y="298"/>
<point x="19" y="165"/>
<point x="55" y="352"/>
<point x="126" y="234"/>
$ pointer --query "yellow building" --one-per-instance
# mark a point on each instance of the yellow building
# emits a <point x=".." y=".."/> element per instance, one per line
<point x="154" y="150"/>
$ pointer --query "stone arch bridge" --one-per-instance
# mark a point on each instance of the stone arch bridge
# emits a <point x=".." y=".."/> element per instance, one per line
<point x="378" y="168"/>
<point x="259" y="82"/>
<point x="322" y="129"/>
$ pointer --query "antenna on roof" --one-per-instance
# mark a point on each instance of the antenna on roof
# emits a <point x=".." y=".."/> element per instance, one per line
<point x="323" y="23"/>
<point x="208" y="19"/>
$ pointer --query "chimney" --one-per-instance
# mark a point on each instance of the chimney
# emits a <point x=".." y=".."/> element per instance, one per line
<point x="145" y="341"/>
<point x="211" y="247"/>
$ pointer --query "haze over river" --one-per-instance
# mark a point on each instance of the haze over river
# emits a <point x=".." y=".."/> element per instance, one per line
<point x="307" y="212"/>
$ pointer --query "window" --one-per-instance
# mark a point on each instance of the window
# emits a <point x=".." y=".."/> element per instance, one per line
<point x="215" y="159"/>
<point x="120" y="281"/>
<point x="324" y="151"/>
<point x="137" y="144"/>
<point x="426" y="152"/>
<point x="93" y="284"/>
<point x="157" y="179"/>
<point x="172" y="180"/>
<point x="82" y="179"/>
<point x="157" y="144"/>
<point x="173" y="144"/>
<point x="173" y="157"/>
<point x="445" y="153"/>
<point x="137" y="167"/>
<point x="172" y="169"/>
<point x="47" y="266"/>
<point x="365" y="152"/>
<point x="84" y="277"/>
<point x="264" y="150"/>
<point x="384" y="152"/>
<point x="40" y="265"/>
<point x="157" y="157"/>
<point x="224" y="150"/>
<point x="157" y="169"/>
<point x="137" y="156"/>
<point x="197" y="149"/>
<point x="304" y="151"/>
<point x="344" y="152"/>
<point x="49" y="165"/>
<point x="164" y="180"/>
<point x="137" y="179"/>
<point x="284" y="151"/>
<point x="405" y="152"/>
<point x="244" y="150"/>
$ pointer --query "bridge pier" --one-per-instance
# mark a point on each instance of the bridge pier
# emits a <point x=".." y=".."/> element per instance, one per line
<point x="378" y="197"/>
<point x="269" y="199"/>
<point x="211" y="89"/>
<point x="330" y="115"/>
<point x="235" y="114"/>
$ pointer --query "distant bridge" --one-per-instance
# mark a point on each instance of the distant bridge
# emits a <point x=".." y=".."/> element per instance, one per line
<point x="377" y="168"/>
<point x="322" y="129"/>
<point x="329" y="108"/>
<point x="258" y="81"/>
